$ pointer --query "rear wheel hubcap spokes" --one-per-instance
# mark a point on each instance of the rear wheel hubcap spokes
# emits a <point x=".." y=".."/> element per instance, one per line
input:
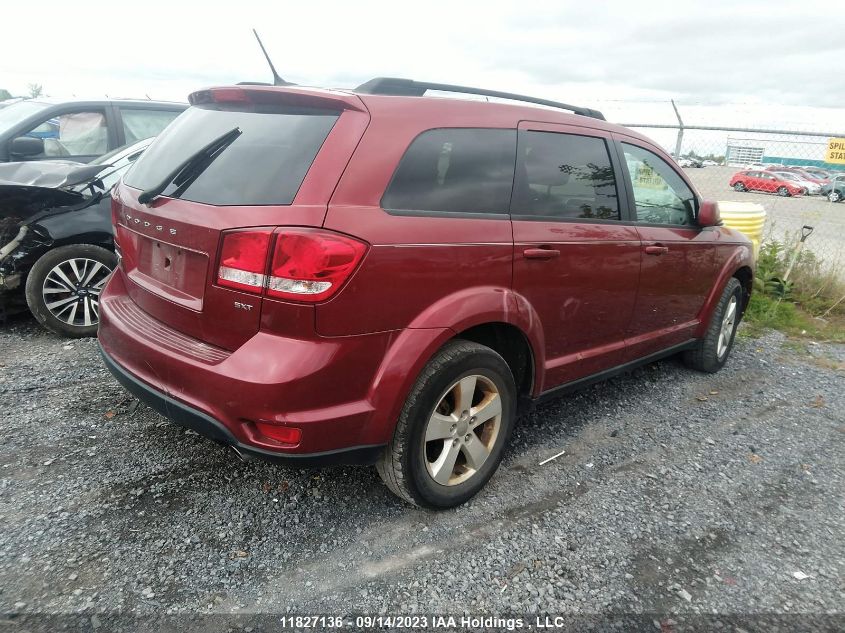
<point x="462" y="430"/>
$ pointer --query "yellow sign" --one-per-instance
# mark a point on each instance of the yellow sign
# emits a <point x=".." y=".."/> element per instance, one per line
<point x="835" y="151"/>
<point x="648" y="178"/>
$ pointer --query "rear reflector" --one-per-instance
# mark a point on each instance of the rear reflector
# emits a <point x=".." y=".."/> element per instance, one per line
<point x="311" y="265"/>
<point x="243" y="260"/>
<point x="284" y="434"/>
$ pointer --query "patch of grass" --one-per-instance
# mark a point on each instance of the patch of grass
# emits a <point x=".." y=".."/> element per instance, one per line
<point x="800" y="277"/>
<point x="796" y="293"/>
<point x="767" y="312"/>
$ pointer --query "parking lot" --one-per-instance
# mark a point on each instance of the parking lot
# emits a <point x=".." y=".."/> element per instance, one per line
<point x="785" y="216"/>
<point x="679" y="494"/>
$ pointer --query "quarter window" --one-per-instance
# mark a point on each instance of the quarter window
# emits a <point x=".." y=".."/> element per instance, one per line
<point x="140" y="124"/>
<point x="661" y="196"/>
<point x="564" y="176"/>
<point x="455" y="170"/>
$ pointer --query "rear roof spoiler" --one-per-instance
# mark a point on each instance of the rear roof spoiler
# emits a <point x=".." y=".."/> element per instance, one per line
<point x="409" y="88"/>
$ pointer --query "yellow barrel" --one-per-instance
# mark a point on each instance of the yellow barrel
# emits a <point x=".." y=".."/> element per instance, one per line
<point x="748" y="217"/>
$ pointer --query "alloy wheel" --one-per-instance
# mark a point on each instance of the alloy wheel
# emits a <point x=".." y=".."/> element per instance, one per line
<point x="834" y="196"/>
<point x="727" y="329"/>
<point x="72" y="290"/>
<point x="462" y="430"/>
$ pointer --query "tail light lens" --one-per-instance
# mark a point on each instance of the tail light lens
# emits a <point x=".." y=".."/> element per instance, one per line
<point x="307" y="265"/>
<point x="243" y="260"/>
<point x="310" y="265"/>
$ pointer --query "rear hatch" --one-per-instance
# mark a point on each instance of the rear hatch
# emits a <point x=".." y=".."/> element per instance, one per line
<point x="289" y="150"/>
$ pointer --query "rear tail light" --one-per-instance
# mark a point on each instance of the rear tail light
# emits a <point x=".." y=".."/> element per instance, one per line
<point x="306" y="265"/>
<point x="243" y="260"/>
<point x="310" y="265"/>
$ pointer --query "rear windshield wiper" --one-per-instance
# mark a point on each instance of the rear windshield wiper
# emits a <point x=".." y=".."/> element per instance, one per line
<point x="191" y="168"/>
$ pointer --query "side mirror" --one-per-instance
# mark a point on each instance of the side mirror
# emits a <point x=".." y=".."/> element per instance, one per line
<point x="27" y="146"/>
<point x="708" y="213"/>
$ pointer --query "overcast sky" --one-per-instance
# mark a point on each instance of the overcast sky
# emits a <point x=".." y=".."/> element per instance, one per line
<point x="774" y="61"/>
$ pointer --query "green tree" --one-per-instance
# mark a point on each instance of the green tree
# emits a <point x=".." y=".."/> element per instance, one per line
<point x="35" y="90"/>
<point x="5" y="94"/>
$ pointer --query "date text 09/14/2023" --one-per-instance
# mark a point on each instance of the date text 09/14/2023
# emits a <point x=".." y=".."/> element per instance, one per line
<point x="422" y="622"/>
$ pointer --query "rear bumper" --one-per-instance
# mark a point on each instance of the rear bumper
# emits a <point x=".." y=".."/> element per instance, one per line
<point x="323" y="387"/>
<point x="213" y="429"/>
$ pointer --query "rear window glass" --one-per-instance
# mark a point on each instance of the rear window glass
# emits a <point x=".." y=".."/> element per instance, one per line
<point x="455" y="170"/>
<point x="264" y="165"/>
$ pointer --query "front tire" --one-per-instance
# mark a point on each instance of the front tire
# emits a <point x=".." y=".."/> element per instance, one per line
<point x="453" y="428"/>
<point x="740" y="187"/>
<point x="63" y="288"/>
<point x="834" y="196"/>
<point x="783" y="192"/>
<point x="713" y="350"/>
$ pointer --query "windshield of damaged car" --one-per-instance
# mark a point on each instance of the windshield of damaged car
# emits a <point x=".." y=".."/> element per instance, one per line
<point x="117" y="161"/>
<point x="11" y="115"/>
<point x="105" y="180"/>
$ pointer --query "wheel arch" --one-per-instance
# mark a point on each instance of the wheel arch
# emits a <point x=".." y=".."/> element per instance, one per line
<point x="510" y="343"/>
<point x="739" y="264"/>
<point x="496" y="317"/>
<point x="745" y="275"/>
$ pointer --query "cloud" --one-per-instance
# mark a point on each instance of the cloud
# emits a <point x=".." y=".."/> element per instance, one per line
<point x="713" y="52"/>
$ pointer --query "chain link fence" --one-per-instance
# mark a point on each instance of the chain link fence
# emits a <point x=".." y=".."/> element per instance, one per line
<point x="782" y="170"/>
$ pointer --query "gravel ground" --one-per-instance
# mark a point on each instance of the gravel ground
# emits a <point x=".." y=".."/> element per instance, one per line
<point x="680" y="495"/>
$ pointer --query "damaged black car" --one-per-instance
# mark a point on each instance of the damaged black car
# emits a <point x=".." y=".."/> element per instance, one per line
<point x="56" y="244"/>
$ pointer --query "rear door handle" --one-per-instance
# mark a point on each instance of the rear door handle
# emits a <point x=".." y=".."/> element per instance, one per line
<point x="540" y="253"/>
<point x="656" y="250"/>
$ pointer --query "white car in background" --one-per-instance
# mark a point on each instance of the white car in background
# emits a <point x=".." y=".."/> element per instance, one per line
<point x="812" y="188"/>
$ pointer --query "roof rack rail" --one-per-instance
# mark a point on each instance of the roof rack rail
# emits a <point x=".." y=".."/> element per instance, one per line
<point x="409" y="88"/>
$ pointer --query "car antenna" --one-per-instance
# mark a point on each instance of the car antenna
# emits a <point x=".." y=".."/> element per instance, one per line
<point x="277" y="81"/>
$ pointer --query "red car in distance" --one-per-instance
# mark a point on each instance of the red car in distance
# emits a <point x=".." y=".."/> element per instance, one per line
<point x="804" y="174"/>
<point x="764" y="181"/>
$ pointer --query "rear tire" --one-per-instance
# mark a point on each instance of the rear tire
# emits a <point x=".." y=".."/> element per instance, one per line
<point x="783" y="192"/>
<point x="834" y="196"/>
<point x="444" y="450"/>
<point x="63" y="288"/>
<point x="713" y="350"/>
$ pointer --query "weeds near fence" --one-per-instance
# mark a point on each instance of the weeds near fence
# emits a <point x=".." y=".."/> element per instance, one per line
<point x="796" y="292"/>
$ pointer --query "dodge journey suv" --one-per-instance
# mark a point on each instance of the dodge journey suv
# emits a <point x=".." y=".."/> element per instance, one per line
<point x="380" y="276"/>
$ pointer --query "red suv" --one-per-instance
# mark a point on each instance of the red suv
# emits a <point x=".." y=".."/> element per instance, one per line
<point x="377" y="276"/>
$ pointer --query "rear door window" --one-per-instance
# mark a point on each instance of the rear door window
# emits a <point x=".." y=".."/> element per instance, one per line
<point x="139" y="124"/>
<point x="455" y="170"/>
<point x="265" y="165"/>
<point x="562" y="176"/>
